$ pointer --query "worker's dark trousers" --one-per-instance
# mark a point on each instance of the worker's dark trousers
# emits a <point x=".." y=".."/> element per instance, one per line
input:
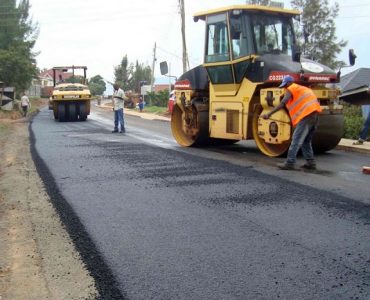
<point x="365" y="129"/>
<point x="302" y="139"/>
<point x="119" y="123"/>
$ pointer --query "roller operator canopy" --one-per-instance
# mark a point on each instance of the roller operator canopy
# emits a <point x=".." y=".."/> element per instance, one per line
<point x="256" y="8"/>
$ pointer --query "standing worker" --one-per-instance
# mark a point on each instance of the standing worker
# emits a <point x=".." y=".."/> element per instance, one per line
<point x="141" y="103"/>
<point x="118" y="104"/>
<point x="25" y="104"/>
<point x="304" y="109"/>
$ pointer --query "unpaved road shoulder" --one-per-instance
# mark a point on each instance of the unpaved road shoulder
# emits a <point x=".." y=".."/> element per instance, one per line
<point x="38" y="259"/>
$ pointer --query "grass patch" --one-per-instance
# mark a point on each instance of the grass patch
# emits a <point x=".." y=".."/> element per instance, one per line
<point x="155" y="109"/>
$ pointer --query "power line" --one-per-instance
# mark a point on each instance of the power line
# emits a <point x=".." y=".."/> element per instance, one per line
<point x="347" y="17"/>
<point x="354" y="5"/>
<point x="170" y="53"/>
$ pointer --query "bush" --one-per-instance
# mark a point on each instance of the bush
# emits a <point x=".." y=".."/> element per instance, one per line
<point x="158" y="99"/>
<point x="353" y="121"/>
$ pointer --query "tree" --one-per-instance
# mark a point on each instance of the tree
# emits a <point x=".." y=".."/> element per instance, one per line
<point x="159" y="98"/>
<point x="122" y="73"/>
<point x="140" y="74"/>
<point x="18" y="35"/>
<point x="97" y="85"/>
<point x="129" y="76"/>
<point x="318" y="36"/>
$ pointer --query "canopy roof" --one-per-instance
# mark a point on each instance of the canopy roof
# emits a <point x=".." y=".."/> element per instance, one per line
<point x="257" y="8"/>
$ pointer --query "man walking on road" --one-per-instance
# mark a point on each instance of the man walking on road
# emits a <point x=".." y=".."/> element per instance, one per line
<point x="118" y="104"/>
<point x="304" y="109"/>
<point x="25" y="104"/>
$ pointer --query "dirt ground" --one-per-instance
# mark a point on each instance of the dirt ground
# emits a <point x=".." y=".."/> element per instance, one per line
<point x="38" y="259"/>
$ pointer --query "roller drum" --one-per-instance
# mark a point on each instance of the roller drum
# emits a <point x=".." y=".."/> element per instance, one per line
<point x="184" y="138"/>
<point x="329" y="132"/>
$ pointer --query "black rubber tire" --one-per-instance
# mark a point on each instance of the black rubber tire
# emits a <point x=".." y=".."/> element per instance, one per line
<point x="61" y="112"/>
<point x="82" y="112"/>
<point x="72" y="111"/>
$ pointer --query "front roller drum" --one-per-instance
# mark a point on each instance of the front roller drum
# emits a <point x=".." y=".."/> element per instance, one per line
<point x="269" y="149"/>
<point x="191" y="129"/>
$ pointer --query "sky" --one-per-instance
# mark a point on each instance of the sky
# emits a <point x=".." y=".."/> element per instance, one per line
<point x="98" y="33"/>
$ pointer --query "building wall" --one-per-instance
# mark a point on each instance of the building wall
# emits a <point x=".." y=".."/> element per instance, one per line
<point x="34" y="91"/>
<point x="160" y="87"/>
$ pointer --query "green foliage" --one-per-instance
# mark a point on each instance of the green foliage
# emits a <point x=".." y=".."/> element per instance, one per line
<point x="321" y="42"/>
<point x="122" y="73"/>
<point x="129" y="76"/>
<point x="159" y="99"/>
<point x="17" y="38"/>
<point x="140" y="73"/>
<point x="75" y="79"/>
<point x="353" y="121"/>
<point x="155" y="110"/>
<point x="16" y="69"/>
<point x="97" y="85"/>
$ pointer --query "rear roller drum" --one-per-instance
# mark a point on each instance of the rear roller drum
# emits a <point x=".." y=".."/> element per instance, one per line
<point x="329" y="132"/>
<point x="190" y="129"/>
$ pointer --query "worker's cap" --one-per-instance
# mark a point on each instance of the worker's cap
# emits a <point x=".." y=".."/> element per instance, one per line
<point x="287" y="79"/>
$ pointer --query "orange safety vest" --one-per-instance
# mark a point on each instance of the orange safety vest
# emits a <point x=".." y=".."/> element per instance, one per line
<point x="302" y="103"/>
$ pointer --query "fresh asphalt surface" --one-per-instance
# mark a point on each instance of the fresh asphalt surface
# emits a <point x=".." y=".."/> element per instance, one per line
<point x="154" y="221"/>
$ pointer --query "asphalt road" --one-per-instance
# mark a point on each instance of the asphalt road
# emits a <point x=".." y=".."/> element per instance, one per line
<point x="153" y="220"/>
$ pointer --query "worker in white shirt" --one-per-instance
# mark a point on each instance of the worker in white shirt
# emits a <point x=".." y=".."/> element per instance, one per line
<point x="118" y="103"/>
<point x="25" y="104"/>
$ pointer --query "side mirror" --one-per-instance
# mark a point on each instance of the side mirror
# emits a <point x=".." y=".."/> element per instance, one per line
<point x="296" y="53"/>
<point x="164" y="67"/>
<point x="352" y="57"/>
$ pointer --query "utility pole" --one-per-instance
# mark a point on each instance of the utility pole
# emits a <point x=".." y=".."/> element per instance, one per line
<point x="185" y="60"/>
<point x="152" y="79"/>
<point x="153" y="65"/>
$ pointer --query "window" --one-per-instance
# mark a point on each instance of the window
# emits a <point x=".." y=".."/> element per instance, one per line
<point x="240" y="43"/>
<point x="220" y="74"/>
<point x="272" y="34"/>
<point x="217" y="39"/>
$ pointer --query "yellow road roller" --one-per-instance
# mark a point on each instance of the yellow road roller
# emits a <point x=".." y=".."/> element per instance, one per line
<point x="248" y="51"/>
<point x="70" y="101"/>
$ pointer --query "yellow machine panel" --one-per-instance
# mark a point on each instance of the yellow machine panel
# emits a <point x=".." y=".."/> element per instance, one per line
<point x="226" y="120"/>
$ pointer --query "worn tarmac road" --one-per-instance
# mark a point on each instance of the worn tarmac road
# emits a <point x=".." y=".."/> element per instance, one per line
<point x="155" y="222"/>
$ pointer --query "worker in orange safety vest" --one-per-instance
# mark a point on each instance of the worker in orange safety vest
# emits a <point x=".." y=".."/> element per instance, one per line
<point x="304" y="109"/>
